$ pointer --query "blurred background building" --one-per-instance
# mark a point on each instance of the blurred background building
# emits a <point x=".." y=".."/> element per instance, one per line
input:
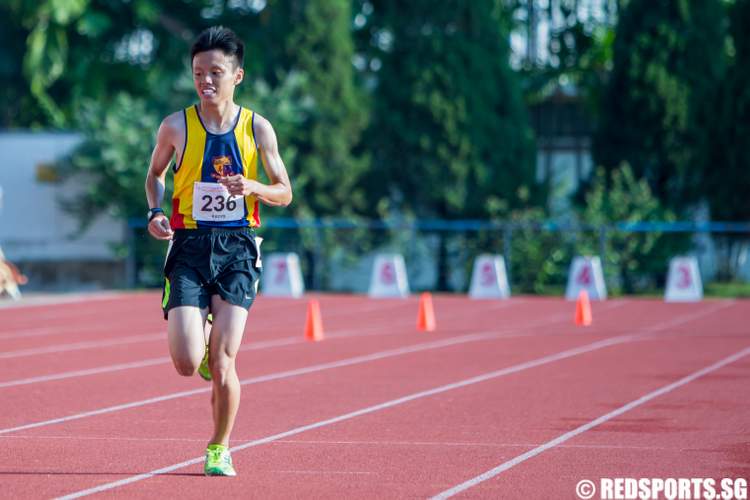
<point x="37" y="233"/>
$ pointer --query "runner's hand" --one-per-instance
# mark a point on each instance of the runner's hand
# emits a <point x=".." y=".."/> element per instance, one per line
<point x="237" y="185"/>
<point x="159" y="228"/>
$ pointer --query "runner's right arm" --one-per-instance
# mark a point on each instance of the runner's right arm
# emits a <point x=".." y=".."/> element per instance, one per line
<point x="157" y="172"/>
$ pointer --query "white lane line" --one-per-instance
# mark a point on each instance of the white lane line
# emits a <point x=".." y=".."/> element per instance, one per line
<point x="506" y="333"/>
<point x="77" y="346"/>
<point x="84" y="373"/>
<point x="48" y="331"/>
<point x="51" y="300"/>
<point x="319" y="472"/>
<point x="155" y="361"/>
<point x="260" y="311"/>
<point x="95" y="344"/>
<point x="395" y="402"/>
<point x="266" y="378"/>
<point x="252" y="346"/>
<point x="70" y="327"/>
<point x="590" y="425"/>
<point x="432" y="444"/>
<point x="367" y="410"/>
<point x="252" y="326"/>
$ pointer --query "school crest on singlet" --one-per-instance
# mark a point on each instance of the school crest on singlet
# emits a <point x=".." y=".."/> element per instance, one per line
<point x="199" y="200"/>
<point x="223" y="167"/>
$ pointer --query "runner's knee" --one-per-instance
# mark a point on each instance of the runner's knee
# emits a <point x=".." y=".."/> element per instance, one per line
<point x="221" y="365"/>
<point x="186" y="367"/>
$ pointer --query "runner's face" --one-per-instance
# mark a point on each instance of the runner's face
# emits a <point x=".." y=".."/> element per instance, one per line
<point x="215" y="75"/>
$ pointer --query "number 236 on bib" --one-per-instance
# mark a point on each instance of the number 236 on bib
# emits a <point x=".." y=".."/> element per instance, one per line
<point x="212" y="202"/>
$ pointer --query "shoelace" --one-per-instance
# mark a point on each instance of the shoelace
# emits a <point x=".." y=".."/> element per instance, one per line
<point x="215" y="455"/>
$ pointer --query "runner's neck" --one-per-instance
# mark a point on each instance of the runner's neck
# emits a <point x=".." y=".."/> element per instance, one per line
<point x="220" y="118"/>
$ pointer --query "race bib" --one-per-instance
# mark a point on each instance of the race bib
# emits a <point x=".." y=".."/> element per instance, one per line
<point x="212" y="202"/>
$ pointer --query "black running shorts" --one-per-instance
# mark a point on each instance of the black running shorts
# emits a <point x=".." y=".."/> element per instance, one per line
<point x="211" y="261"/>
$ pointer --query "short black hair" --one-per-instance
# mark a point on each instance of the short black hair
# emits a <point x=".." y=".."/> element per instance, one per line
<point x="219" y="38"/>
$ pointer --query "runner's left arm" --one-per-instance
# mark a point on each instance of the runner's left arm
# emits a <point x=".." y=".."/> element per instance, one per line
<point x="279" y="190"/>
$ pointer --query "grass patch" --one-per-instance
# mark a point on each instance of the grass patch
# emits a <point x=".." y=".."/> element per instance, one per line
<point x="732" y="289"/>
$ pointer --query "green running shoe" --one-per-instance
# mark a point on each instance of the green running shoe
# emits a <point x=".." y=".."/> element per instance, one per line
<point x="218" y="461"/>
<point x="203" y="370"/>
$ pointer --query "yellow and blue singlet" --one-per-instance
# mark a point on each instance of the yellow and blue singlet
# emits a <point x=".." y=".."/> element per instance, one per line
<point x="207" y="157"/>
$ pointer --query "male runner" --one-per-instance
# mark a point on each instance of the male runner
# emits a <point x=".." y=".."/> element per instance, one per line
<point x="213" y="261"/>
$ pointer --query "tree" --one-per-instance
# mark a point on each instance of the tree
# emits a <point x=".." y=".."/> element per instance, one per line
<point x="113" y="158"/>
<point x="327" y="177"/>
<point x="450" y="134"/>
<point x="19" y="107"/>
<point x="668" y="63"/>
<point x="450" y="137"/>
<point x="633" y="261"/>
<point x="728" y="181"/>
<point x="578" y="51"/>
<point x="77" y="50"/>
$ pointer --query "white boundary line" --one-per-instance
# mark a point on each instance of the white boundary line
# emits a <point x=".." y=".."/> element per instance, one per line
<point x="51" y="300"/>
<point x="114" y="341"/>
<point x="364" y="411"/>
<point x="590" y="425"/>
<point x="151" y="337"/>
<point x="265" y="344"/>
<point x="259" y="317"/>
<point x="395" y="402"/>
<point x="159" y="336"/>
<point x="461" y="339"/>
<point x="77" y="346"/>
<point x="84" y="373"/>
<point x="29" y="333"/>
<point x="436" y="444"/>
<point x="324" y="366"/>
<point x="251" y="346"/>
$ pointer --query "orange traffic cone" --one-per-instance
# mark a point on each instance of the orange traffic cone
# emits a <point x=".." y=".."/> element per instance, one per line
<point x="314" y="323"/>
<point x="426" y="315"/>
<point x="583" y="309"/>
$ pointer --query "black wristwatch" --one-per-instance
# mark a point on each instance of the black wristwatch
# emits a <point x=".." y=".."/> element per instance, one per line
<point x="152" y="212"/>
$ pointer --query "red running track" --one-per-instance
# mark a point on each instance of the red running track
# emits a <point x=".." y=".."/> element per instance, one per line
<point x="506" y="400"/>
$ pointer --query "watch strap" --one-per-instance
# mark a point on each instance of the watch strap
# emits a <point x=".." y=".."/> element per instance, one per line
<point x="153" y="212"/>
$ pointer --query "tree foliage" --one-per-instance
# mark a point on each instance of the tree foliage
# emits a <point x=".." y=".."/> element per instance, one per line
<point x="660" y="100"/>
<point x="111" y="162"/>
<point x="430" y="119"/>
<point x="319" y="46"/>
<point x="450" y="136"/>
<point x="728" y="176"/>
<point x="76" y="50"/>
<point x="633" y="261"/>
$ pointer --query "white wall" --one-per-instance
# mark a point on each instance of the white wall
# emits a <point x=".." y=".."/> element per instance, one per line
<point x="33" y="227"/>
